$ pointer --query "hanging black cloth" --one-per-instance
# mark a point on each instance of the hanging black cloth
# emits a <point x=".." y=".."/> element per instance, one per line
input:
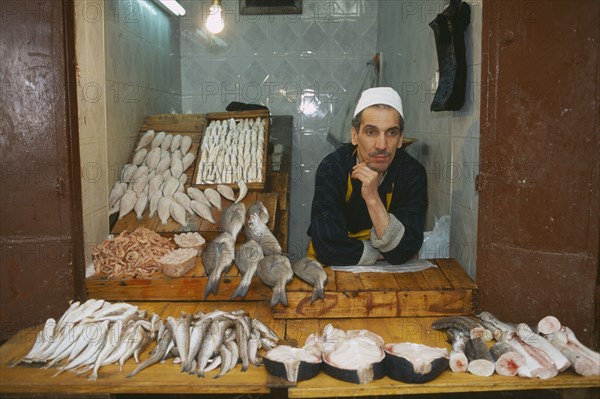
<point x="449" y="30"/>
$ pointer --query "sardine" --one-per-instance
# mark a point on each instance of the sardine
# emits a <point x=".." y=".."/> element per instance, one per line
<point x="225" y="255"/>
<point x="247" y="257"/>
<point x="112" y="340"/>
<point x="232" y="219"/>
<point x="258" y="231"/>
<point x="276" y="271"/>
<point x="312" y="272"/>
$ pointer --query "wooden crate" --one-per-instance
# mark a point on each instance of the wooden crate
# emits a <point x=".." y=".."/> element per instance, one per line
<point x="440" y="291"/>
<point x="239" y="115"/>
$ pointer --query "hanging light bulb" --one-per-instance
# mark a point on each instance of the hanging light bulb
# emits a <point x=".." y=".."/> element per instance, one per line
<point x="214" y="21"/>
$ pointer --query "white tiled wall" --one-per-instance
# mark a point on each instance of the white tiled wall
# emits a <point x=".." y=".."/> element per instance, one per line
<point x="299" y="65"/>
<point x="448" y="142"/>
<point x="143" y="72"/>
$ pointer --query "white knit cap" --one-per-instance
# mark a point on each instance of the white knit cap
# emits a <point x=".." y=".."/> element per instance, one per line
<point x="379" y="95"/>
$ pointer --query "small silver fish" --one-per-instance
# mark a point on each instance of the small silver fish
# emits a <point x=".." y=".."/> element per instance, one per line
<point x="247" y="257"/>
<point x="276" y="271"/>
<point x="232" y="219"/>
<point x="258" y="231"/>
<point x="312" y="272"/>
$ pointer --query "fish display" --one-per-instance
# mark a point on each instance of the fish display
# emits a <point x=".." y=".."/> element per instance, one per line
<point x="313" y="273"/>
<point x="202" y="342"/>
<point x="458" y="360"/>
<point x="120" y="331"/>
<point x="481" y="362"/>
<point x="259" y="209"/>
<point x="276" y="271"/>
<point x="232" y="150"/>
<point x="294" y="364"/>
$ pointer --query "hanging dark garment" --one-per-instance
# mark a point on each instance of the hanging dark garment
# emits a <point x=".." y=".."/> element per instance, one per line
<point x="449" y="30"/>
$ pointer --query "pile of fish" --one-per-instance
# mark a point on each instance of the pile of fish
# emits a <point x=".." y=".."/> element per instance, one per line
<point x="232" y="150"/>
<point x="155" y="180"/>
<point x="539" y="352"/>
<point x="131" y="255"/>
<point x="202" y="342"/>
<point x="260" y="255"/>
<point x="90" y="335"/>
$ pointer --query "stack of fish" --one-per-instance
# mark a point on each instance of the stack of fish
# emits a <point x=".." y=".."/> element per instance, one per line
<point x="91" y="335"/>
<point x="539" y="352"/>
<point x="157" y="170"/>
<point x="232" y="151"/>
<point x="202" y="342"/>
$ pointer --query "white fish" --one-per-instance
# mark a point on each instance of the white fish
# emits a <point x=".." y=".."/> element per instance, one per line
<point x="163" y="164"/>
<point x="178" y="213"/>
<point x="175" y="142"/>
<point x="146" y="139"/>
<point x="202" y="210"/>
<point x="153" y="158"/>
<point x="127" y="203"/>
<point x="128" y="172"/>
<point x="171" y="185"/>
<point x="198" y="195"/>
<point x="139" y="156"/>
<point x="183" y="200"/>
<point x="186" y="143"/>
<point x="177" y="154"/>
<point x="153" y="207"/>
<point x="116" y="193"/>
<point x="164" y="212"/>
<point x="214" y="197"/>
<point x="140" y="205"/>
<point x="154" y="184"/>
<point x="226" y="191"/>
<point x="139" y="185"/>
<point x="176" y="167"/>
<point x="158" y="138"/>
<point x="187" y="160"/>
<point x="166" y="143"/>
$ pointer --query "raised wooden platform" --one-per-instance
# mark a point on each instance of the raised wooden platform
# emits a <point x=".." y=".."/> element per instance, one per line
<point x="439" y="291"/>
<point x="166" y="378"/>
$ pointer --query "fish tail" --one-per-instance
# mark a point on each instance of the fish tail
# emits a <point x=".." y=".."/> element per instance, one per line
<point x="279" y="296"/>
<point x="212" y="285"/>
<point x="316" y="294"/>
<point x="241" y="290"/>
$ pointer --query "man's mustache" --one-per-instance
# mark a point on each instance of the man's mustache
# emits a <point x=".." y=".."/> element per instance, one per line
<point x="378" y="153"/>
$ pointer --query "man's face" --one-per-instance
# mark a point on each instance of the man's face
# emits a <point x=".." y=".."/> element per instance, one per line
<point x="378" y="138"/>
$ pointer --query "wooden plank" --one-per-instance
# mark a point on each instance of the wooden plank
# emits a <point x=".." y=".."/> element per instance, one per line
<point x="411" y="281"/>
<point x="378" y="282"/>
<point x="457" y="276"/>
<point x="377" y="304"/>
<point x="436" y="279"/>
<point x="279" y="183"/>
<point x="347" y="281"/>
<point x="174" y="122"/>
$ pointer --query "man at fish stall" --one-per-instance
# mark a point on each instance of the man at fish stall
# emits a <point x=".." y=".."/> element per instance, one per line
<point x="370" y="199"/>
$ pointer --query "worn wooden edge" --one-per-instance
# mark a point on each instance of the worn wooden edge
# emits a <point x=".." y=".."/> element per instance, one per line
<point x="354" y="304"/>
<point x="324" y="386"/>
<point x="455" y="274"/>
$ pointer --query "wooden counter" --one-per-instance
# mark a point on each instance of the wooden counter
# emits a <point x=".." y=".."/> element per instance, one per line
<point x="166" y="377"/>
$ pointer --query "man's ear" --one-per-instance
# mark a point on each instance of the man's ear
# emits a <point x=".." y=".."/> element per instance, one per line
<point x="400" y="142"/>
<point x="354" y="135"/>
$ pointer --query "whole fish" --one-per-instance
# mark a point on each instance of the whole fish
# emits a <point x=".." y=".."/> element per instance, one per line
<point x="180" y="328"/>
<point x="312" y="272"/>
<point x="247" y="257"/>
<point x="232" y="219"/>
<point x="159" y="352"/>
<point x="258" y="231"/>
<point x="221" y="261"/>
<point x="276" y="271"/>
<point x="259" y="209"/>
